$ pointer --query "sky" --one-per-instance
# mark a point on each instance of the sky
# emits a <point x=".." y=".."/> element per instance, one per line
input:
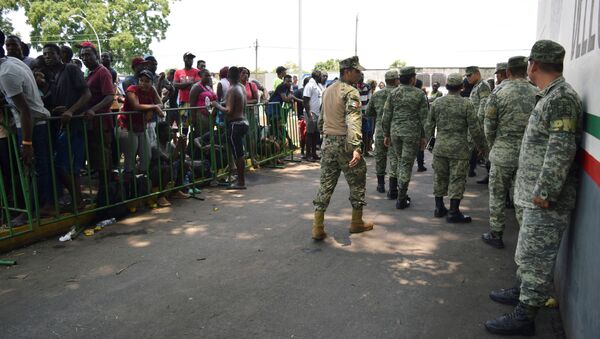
<point x="434" y="33"/>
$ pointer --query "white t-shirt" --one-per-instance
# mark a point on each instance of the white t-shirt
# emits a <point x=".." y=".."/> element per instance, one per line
<point x="314" y="91"/>
<point x="17" y="78"/>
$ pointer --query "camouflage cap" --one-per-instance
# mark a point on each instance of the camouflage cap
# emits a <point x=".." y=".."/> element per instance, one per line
<point x="407" y="70"/>
<point x="351" y="62"/>
<point x="471" y="69"/>
<point x="547" y="51"/>
<point x="454" y="79"/>
<point x="501" y="66"/>
<point x="517" y="61"/>
<point x="391" y="75"/>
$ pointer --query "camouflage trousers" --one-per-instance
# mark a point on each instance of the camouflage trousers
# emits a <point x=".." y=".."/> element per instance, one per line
<point x="449" y="177"/>
<point x="382" y="156"/>
<point x="539" y="240"/>
<point x="405" y="149"/>
<point x="501" y="181"/>
<point x="335" y="156"/>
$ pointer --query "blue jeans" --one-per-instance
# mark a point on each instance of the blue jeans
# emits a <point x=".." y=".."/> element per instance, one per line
<point x="41" y="152"/>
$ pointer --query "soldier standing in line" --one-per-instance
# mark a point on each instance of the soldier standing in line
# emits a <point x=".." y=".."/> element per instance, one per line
<point x="375" y="110"/>
<point x="478" y="97"/>
<point x="453" y="116"/>
<point x="545" y="188"/>
<point x="341" y="123"/>
<point x="500" y="73"/>
<point x="403" y="115"/>
<point x="506" y="116"/>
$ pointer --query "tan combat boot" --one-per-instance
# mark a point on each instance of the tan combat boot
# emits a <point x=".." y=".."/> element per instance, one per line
<point x="318" y="228"/>
<point x="358" y="225"/>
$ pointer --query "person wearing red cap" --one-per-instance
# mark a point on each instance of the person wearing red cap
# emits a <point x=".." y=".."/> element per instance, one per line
<point x="138" y="64"/>
<point x="184" y="80"/>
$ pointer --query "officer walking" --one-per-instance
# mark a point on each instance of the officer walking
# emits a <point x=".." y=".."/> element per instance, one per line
<point x="453" y="116"/>
<point x="545" y="188"/>
<point x="341" y="123"/>
<point x="403" y="115"/>
<point x="506" y="116"/>
<point x="375" y="109"/>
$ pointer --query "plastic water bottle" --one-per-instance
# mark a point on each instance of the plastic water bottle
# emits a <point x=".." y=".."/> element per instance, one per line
<point x="106" y="222"/>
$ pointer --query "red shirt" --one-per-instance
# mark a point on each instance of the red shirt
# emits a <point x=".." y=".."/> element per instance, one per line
<point x="251" y="88"/>
<point x="207" y="92"/>
<point x="185" y="75"/>
<point x="99" y="81"/>
<point x="138" y="123"/>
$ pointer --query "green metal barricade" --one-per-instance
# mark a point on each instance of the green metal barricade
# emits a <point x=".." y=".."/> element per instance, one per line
<point x="125" y="163"/>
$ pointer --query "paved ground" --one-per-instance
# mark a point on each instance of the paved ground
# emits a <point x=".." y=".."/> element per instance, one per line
<point x="242" y="265"/>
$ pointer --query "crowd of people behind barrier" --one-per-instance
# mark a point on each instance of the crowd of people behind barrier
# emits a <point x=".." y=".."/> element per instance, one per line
<point x="65" y="127"/>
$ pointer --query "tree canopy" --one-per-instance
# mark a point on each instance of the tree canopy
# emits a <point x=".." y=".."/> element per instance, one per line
<point x="398" y="64"/>
<point x="328" y="65"/>
<point x="125" y="27"/>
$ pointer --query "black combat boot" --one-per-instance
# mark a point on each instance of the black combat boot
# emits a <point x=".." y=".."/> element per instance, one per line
<point x="440" y="208"/>
<point x="493" y="239"/>
<point x="507" y="296"/>
<point x="381" y="183"/>
<point x="454" y="214"/>
<point x="403" y="200"/>
<point x="421" y="162"/>
<point x="393" y="191"/>
<point x="521" y="321"/>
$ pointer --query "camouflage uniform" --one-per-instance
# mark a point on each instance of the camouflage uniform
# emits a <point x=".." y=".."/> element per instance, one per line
<point x="547" y="170"/>
<point x="479" y="96"/>
<point x="453" y="116"/>
<point x="506" y="116"/>
<point x="337" y="149"/>
<point x="404" y="112"/>
<point x="375" y="109"/>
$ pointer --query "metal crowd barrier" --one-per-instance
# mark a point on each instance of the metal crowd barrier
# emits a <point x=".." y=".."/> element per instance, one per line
<point x="108" y="182"/>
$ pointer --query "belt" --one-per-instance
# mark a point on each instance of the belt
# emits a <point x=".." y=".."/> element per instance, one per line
<point x="335" y="137"/>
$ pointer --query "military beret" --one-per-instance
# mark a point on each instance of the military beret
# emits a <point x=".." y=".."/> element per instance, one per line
<point x="517" y="61"/>
<point x="471" y="69"/>
<point x="391" y="75"/>
<point x="407" y="70"/>
<point x="501" y="66"/>
<point x="548" y="52"/>
<point x="351" y="62"/>
<point x="454" y="79"/>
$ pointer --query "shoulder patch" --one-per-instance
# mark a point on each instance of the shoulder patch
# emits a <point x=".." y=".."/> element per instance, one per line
<point x="568" y="125"/>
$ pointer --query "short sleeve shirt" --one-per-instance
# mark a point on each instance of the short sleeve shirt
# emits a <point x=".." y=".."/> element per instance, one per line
<point x="138" y="123"/>
<point x="314" y="91"/>
<point x="100" y="84"/>
<point x="281" y="89"/>
<point x="16" y="78"/>
<point x="186" y="75"/>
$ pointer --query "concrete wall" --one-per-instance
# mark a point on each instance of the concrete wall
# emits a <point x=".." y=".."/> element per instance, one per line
<point x="575" y="24"/>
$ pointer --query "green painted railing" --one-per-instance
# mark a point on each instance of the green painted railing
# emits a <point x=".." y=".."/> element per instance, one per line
<point x="202" y="156"/>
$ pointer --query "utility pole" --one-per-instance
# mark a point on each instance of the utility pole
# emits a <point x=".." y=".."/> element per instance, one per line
<point x="300" y="37"/>
<point x="356" y="36"/>
<point x="256" y="56"/>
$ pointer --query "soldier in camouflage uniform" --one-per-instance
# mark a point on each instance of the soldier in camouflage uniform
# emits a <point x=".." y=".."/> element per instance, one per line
<point x="545" y="188"/>
<point x="506" y="116"/>
<point x="404" y="113"/>
<point x="479" y="94"/>
<point x="375" y="109"/>
<point x="341" y="123"/>
<point x="500" y="73"/>
<point x="453" y="116"/>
